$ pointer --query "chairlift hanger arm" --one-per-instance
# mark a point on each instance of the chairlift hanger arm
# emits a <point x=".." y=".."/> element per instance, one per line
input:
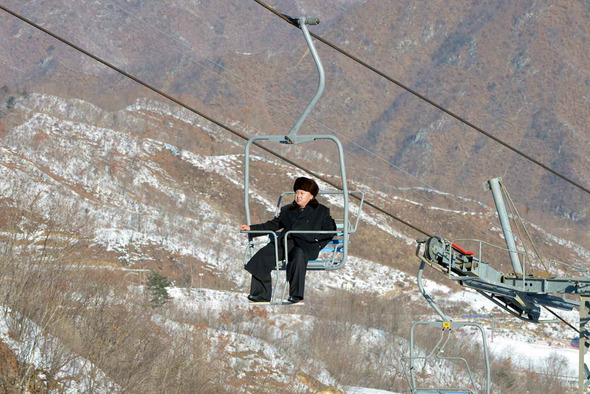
<point x="292" y="138"/>
<point x="427" y="100"/>
<point x="303" y="22"/>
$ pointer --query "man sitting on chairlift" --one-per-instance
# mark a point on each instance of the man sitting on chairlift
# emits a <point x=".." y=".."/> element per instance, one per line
<point x="305" y="213"/>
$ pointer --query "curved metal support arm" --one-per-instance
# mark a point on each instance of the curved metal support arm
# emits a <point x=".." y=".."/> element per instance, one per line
<point x="423" y="291"/>
<point x="321" y="79"/>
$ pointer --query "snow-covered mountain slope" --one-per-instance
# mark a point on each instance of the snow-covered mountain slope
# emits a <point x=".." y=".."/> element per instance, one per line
<point x="164" y="193"/>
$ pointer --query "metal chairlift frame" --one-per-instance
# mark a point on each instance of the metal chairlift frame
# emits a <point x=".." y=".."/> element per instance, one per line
<point x="518" y="293"/>
<point x="446" y="325"/>
<point x="293" y="138"/>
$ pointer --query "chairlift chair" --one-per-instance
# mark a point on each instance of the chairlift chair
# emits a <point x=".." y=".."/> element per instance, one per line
<point x="445" y="325"/>
<point x="334" y="255"/>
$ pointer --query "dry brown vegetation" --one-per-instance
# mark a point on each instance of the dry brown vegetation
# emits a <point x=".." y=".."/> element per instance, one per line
<point x="74" y="311"/>
<point x="47" y="282"/>
<point x="61" y="311"/>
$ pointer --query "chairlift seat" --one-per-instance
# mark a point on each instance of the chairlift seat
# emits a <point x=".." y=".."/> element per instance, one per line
<point x="334" y="247"/>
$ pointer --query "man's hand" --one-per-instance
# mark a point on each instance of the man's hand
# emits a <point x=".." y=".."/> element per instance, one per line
<point x="244" y="227"/>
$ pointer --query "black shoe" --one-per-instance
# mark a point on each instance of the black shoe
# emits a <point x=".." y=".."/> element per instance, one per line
<point x="257" y="298"/>
<point x="294" y="300"/>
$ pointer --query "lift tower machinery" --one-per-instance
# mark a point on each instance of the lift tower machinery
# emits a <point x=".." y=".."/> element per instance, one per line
<point x="520" y="293"/>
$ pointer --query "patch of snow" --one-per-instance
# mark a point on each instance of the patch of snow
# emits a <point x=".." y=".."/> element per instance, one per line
<point x="579" y="250"/>
<point x="37" y="348"/>
<point x="363" y="390"/>
<point x="534" y="355"/>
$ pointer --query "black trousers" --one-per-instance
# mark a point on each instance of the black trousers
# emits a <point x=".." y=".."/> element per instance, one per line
<point x="262" y="264"/>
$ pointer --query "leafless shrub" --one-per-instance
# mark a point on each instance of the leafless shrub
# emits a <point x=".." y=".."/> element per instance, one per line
<point x="62" y="309"/>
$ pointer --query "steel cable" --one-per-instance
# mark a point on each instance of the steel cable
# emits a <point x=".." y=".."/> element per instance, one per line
<point x="219" y="124"/>
<point x="194" y="110"/>
<point x="424" y="98"/>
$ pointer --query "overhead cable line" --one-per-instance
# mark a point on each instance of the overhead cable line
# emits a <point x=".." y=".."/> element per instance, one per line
<point x="565" y="321"/>
<point x="152" y="26"/>
<point x="212" y="120"/>
<point x="424" y="98"/>
<point x="350" y="141"/>
<point x="194" y="110"/>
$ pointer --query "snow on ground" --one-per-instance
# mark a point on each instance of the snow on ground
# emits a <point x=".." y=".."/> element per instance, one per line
<point x="361" y="390"/>
<point x="579" y="250"/>
<point x="251" y="356"/>
<point x="529" y="345"/>
<point x="213" y="301"/>
<point x="476" y="301"/>
<point x="535" y="356"/>
<point x="380" y="221"/>
<point x="34" y="347"/>
<point x="521" y="342"/>
<point x="181" y="114"/>
<point x="364" y="276"/>
<point x="242" y="354"/>
<point x="224" y="165"/>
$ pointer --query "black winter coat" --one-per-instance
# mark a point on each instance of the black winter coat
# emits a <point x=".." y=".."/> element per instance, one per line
<point x="314" y="216"/>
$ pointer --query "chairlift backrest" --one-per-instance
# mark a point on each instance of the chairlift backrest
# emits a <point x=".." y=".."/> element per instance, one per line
<point x="333" y="255"/>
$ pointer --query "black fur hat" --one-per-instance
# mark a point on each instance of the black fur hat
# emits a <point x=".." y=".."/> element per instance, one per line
<point x="306" y="184"/>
